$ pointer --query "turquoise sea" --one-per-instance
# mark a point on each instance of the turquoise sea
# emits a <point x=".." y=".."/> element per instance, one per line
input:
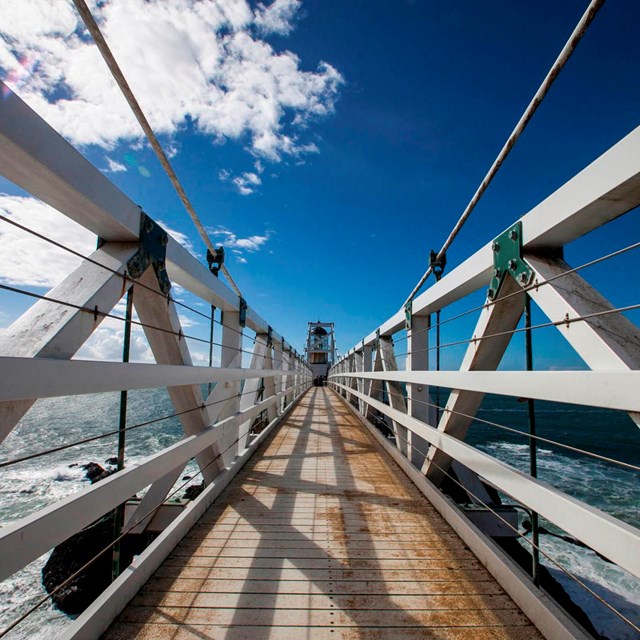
<point x="28" y="486"/>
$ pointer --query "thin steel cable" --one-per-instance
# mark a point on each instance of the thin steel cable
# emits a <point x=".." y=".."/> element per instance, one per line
<point x="63" y="584"/>
<point x="552" y="323"/>
<point x="530" y="542"/>
<point x="63" y="447"/>
<point x="497" y="425"/>
<point x="558" y="65"/>
<point x="123" y="276"/>
<point x="535" y="285"/>
<point x="96" y="312"/>
<point x="69" y="445"/>
<point x="118" y="76"/>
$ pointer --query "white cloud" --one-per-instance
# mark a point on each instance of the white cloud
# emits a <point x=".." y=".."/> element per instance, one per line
<point x="187" y="61"/>
<point x="113" y="166"/>
<point x="240" y="246"/>
<point x="105" y="344"/>
<point x="277" y="17"/>
<point x="30" y="261"/>
<point x="247" y="182"/>
<point x="231" y="240"/>
<point x="182" y="238"/>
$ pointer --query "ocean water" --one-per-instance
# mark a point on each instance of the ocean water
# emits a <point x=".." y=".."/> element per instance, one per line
<point x="29" y="486"/>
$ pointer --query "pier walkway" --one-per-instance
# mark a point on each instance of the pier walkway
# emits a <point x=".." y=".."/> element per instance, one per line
<point x="321" y="536"/>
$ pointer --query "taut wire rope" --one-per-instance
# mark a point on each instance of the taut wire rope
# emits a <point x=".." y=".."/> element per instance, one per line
<point x="558" y="65"/>
<point x="118" y="76"/>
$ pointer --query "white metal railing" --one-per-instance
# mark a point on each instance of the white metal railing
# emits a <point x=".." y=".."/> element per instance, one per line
<point x="432" y="436"/>
<point x="36" y="351"/>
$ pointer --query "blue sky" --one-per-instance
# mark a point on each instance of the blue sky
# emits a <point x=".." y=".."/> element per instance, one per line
<point x="412" y="100"/>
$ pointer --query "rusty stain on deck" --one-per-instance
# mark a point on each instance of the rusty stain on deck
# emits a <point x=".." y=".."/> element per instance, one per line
<point x="321" y="536"/>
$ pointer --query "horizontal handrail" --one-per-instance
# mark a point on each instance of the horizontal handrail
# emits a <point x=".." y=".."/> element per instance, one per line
<point x="605" y="534"/>
<point x="47" y="378"/>
<point x="604" y="389"/>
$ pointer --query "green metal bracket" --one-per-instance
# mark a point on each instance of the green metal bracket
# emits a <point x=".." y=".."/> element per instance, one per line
<point x="377" y="338"/>
<point x="269" y="335"/>
<point x="151" y="252"/>
<point x="508" y="260"/>
<point x="408" y="315"/>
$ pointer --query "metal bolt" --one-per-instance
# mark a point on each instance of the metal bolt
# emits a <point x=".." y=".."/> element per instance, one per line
<point x="513" y="264"/>
<point x="495" y="247"/>
<point x="513" y="234"/>
<point x="523" y="278"/>
<point x="496" y="273"/>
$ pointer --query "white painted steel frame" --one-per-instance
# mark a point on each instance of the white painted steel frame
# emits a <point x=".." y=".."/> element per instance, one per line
<point x="23" y="541"/>
<point x="603" y="191"/>
<point x="616" y="540"/>
<point x="40" y="161"/>
<point x="36" y="158"/>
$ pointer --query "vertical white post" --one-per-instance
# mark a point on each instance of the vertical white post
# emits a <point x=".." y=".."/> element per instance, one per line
<point x="224" y="399"/>
<point x="358" y="357"/>
<point x="284" y="381"/>
<point x="394" y="391"/>
<point x="419" y="399"/>
<point x="269" y="382"/>
<point x="251" y="386"/>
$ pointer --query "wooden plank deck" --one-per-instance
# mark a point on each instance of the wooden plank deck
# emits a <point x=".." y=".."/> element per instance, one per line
<point x="321" y="536"/>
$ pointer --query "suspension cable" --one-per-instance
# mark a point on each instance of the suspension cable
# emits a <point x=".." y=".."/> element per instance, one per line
<point x="535" y="285"/>
<point x="558" y="65"/>
<point x="118" y="76"/>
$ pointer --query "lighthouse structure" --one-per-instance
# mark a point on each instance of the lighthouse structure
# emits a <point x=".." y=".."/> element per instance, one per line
<point x="320" y="349"/>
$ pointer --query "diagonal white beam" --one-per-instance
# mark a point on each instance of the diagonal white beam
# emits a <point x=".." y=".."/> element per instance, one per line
<point x="609" y="342"/>
<point x="52" y="330"/>
<point x="170" y="347"/>
<point x="23" y="541"/>
<point x="484" y="353"/>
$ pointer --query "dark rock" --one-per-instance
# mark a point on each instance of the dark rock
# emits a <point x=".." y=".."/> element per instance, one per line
<point x="75" y="464"/>
<point x="113" y="461"/>
<point x="186" y="477"/>
<point x="96" y="472"/>
<point x="105" y="474"/>
<point x="193" y="491"/>
<point x="93" y="470"/>
<point x="71" y="555"/>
